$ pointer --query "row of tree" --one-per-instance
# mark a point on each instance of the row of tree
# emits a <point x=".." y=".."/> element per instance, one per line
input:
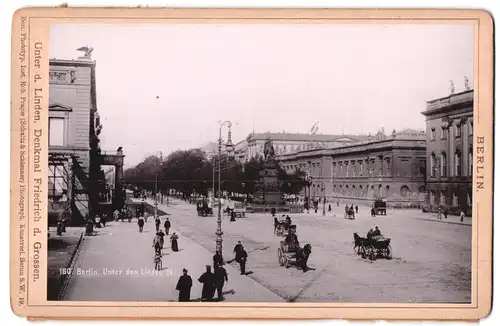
<point x="188" y="172"/>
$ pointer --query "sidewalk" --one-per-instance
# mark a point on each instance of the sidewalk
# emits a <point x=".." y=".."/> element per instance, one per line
<point x="194" y="257"/>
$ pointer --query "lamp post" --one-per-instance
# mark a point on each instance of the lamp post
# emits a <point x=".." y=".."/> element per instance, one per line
<point x="230" y="152"/>
<point x="156" y="186"/>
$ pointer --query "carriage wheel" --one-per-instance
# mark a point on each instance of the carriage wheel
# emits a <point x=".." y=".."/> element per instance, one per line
<point x="363" y="252"/>
<point x="388" y="252"/>
<point x="280" y="257"/>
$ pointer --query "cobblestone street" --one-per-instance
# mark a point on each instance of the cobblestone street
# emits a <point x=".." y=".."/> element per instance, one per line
<point x="431" y="261"/>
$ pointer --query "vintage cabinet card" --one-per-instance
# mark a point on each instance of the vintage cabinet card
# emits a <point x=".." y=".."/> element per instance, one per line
<point x="251" y="163"/>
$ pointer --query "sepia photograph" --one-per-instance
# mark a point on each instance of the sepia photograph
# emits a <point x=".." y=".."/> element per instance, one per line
<point x="223" y="162"/>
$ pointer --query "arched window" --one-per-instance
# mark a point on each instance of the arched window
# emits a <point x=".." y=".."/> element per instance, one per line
<point x="433" y="165"/>
<point x="387" y="190"/>
<point x="458" y="163"/>
<point x="361" y="191"/>
<point x="405" y="191"/>
<point x="443" y="165"/>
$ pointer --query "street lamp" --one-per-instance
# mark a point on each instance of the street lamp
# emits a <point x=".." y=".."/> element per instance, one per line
<point x="230" y="153"/>
<point x="156" y="186"/>
<point x="324" y="199"/>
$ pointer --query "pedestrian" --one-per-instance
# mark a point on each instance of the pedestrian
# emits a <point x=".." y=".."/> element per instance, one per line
<point x="156" y="244"/>
<point x="243" y="260"/>
<point x="237" y="250"/>
<point x="462" y="215"/>
<point x="162" y="238"/>
<point x="184" y="286"/>
<point x="445" y="213"/>
<point x="220" y="278"/>
<point x="218" y="261"/>
<point x="167" y="226"/>
<point x="140" y="222"/>
<point x="173" y="241"/>
<point x="338" y="203"/>
<point x="374" y="213"/>
<point x="208" y="281"/>
<point x="157" y="223"/>
<point x="329" y="207"/>
<point x="439" y="213"/>
<point x="356" y="209"/>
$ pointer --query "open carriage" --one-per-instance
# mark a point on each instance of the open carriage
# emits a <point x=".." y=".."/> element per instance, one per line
<point x="373" y="247"/>
<point x="203" y="210"/>
<point x="289" y="255"/>
<point x="281" y="227"/>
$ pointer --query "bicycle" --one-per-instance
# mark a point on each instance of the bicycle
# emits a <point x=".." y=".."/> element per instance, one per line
<point x="158" y="262"/>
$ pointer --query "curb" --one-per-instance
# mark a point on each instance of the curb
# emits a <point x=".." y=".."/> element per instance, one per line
<point x="65" y="279"/>
<point x="447" y="222"/>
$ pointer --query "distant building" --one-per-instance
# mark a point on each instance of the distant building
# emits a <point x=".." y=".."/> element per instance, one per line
<point x="449" y="152"/>
<point x="388" y="167"/>
<point x="75" y="156"/>
<point x="210" y="150"/>
<point x="287" y="143"/>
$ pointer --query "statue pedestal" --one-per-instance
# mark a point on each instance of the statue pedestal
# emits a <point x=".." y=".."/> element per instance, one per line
<point x="268" y="194"/>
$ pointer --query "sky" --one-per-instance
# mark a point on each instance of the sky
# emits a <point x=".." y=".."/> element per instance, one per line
<point x="163" y="87"/>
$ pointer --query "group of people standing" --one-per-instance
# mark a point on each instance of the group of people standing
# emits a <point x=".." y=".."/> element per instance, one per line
<point x="213" y="282"/>
<point x="158" y="240"/>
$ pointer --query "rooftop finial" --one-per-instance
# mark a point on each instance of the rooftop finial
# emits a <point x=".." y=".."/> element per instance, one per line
<point x="452" y="87"/>
<point x="466" y="82"/>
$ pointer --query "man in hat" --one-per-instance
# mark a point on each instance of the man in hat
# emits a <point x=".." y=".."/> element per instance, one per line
<point x="184" y="286"/>
<point x="242" y="259"/>
<point x="167" y="226"/>
<point x="376" y="232"/>
<point x="237" y="250"/>
<point x="220" y="277"/>
<point x="208" y="281"/>
<point x="218" y="261"/>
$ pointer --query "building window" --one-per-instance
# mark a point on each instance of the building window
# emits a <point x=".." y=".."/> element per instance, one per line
<point x="433" y="134"/>
<point x="458" y="130"/>
<point x="458" y="164"/>
<point x="443" y="164"/>
<point x="432" y="197"/>
<point x="360" y="168"/>
<point x="442" y="198"/>
<point x="471" y="127"/>
<point x="56" y="131"/>
<point x="404" y="191"/>
<point x="57" y="182"/>
<point x="433" y="165"/>
<point x="443" y="133"/>
<point x="455" y="200"/>
<point x="387" y="191"/>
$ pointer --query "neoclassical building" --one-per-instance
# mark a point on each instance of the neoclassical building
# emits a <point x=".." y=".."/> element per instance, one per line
<point x="450" y="123"/>
<point x="287" y="143"/>
<point x="389" y="167"/>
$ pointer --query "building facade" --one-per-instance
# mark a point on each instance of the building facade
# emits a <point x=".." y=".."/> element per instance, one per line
<point x="450" y="124"/>
<point x="288" y="143"/>
<point x="75" y="156"/>
<point x="389" y="167"/>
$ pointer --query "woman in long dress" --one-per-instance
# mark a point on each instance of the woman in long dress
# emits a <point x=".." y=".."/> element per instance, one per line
<point x="173" y="241"/>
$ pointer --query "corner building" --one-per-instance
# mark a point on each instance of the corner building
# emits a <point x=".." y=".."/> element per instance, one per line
<point x="450" y="124"/>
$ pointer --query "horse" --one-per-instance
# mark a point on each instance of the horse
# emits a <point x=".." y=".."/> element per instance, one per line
<point x="359" y="243"/>
<point x="349" y="214"/>
<point x="302" y="256"/>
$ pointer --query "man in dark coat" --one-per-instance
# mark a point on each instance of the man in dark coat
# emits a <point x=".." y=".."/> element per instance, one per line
<point x="237" y="250"/>
<point x="167" y="226"/>
<point x="208" y="281"/>
<point x="218" y="261"/>
<point x="356" y="209"/>
<point x="157" y="223"/>
<point x="220" y="277"/>
<point x="184" y="286"/>
<point x="242" y="259"/>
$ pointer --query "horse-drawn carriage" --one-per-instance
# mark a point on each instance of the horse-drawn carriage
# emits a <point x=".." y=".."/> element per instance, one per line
<point x="349" y="213"/>
<point x="295" y="255"/>
<point x="373" y="246"/>
<point x="281" y="227"/>
<point x="203" y="210"/>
